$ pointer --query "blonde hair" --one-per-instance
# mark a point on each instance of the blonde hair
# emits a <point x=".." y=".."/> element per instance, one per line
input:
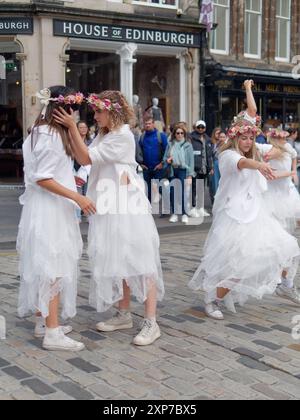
<point x="233" y="144"/>
<point x="275" y="142"/>
<point x="117" y="117"/>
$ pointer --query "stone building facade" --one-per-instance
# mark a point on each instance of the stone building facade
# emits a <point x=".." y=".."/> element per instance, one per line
<point x="145" y="48"/>
<point x="257" y="39"/>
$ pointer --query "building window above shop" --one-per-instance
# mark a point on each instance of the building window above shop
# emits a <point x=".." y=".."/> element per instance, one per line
<point x="220" y="37"/>
<point x="253" y="27"/>
<point x="170" y="4"/>
<point x="283" y="33"/>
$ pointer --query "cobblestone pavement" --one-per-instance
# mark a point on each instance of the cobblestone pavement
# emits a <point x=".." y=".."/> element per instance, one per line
<point x="251" y="355"/>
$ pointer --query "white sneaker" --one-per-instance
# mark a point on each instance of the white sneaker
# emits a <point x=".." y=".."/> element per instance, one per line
<point x="205" y="213"/>
<point x="40" y="328"/>
<point x="194" y="213"/>
<point x="289" y="294"/>
<point x="149" y="333"/>
<point x="120" y="321"/>
<point x="213" y="311"/>
<point x="185" y="219"/>
<point x="55" y="340"/>
<point x="173" y="218"/>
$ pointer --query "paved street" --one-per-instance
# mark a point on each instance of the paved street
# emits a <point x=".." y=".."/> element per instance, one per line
<point x="251" y="355"/>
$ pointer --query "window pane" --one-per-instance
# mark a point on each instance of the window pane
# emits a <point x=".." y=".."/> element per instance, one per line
<point x="256" y="5"/>
<point x="248" y="4"/>
<point x="282" y="38"/>
<point x="285" y="8"/>
<point x="219" y="36"/>
<point x="251" y="34"/>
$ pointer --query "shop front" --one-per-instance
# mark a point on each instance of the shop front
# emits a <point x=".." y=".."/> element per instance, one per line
<point x="11" y="95"/>
<point x="278" y="98"/>
<point x="148" y="63"/>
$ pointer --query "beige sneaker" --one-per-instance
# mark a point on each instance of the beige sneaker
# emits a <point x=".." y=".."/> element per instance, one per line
<point x="120" y="321"/>
<point x="149" y="333"/>
<point x="289" y="294"/>
<point x="212" y="311"/>
<point x="55" y="340"/>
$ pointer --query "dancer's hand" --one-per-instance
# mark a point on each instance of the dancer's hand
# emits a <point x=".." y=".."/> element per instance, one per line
<point x="86" y="205"/>
<point x="248" y="84"/>
<point x="170" y="160"/>
<point x="266" y="170"/>
<point x="64" y="118"/>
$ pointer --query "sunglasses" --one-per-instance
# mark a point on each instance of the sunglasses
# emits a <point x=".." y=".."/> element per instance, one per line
<point x="202" y="127"/>
<point x="179" y="133"/>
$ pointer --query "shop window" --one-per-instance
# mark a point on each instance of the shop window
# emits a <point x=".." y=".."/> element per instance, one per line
<point x="292" y="114"/>
<point x="220" y="37"/>
<point x="283" y="25"/>
<point x="158" y="77"/>
<point x="90" y="72"/>
<point x="171" y="4"/>
<point x="253" y="27"/>
<point x="11" y="126"/>
<point x="274" y="110"/>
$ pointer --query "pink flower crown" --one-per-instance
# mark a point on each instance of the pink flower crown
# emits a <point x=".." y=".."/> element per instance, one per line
<point x="98" y="104"/>
<point x="277" y="133"/>
<point x="75" y="99"/>
<point x="242" y="127"/>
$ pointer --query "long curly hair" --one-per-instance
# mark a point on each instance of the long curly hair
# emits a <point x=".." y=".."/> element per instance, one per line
<point x="117" y="117"/>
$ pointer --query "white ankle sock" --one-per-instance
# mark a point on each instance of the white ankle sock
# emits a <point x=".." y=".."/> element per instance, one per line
<point x="288" y="283"/>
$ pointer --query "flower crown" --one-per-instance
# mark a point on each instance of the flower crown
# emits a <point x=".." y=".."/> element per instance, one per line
<point x="98" y="104"/>
<point x="45" y="98"/>
<point x="243" y="116"/>
<point x="242" y="127"/>
<point x="276" y="133"/>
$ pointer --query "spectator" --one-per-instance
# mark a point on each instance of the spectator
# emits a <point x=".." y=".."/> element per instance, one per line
<point x="262" y="138"/>
<point x="179" y="157"/>
<point x="203" y="154"/>
<point x="153" y="145"/>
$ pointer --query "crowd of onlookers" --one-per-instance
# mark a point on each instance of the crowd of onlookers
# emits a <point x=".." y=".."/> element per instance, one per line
<point x="177" y="160"/>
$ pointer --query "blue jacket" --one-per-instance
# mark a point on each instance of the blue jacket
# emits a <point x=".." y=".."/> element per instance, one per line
<point x="261" y="139"/>
<point x="153" y="150"/>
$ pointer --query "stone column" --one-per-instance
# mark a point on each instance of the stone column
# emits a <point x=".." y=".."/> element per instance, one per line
<point x="126" y="53"/>
<point x="183" y="86"/>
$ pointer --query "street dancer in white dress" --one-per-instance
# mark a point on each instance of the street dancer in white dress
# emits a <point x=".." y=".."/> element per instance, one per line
<point x="247" y="249"/>
<point x="283" y="199"/>
<point x="123" y="239"/>
<point x="49" y="240"/>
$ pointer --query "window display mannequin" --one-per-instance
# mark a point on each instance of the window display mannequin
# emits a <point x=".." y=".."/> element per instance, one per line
<point x="156" y="113"/>
<point x="138" y="112"/>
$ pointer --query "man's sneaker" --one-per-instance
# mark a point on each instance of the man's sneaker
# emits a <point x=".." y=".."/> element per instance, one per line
<point x="205" y="213"/>
<point x="289" y="294"/>
<point x="40" y="330"/>
<point x="185" y="219"/>
<point x="194" y="213"/>
<point x="173" y="218"/>
<point x="55" y="340"/>
<point x="120" y="321"/>
<point x="149" y="333"/>
<point x="212" y="311"/>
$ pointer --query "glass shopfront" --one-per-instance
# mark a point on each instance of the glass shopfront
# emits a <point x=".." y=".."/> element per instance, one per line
<point x="11" y="130"/>
<point x="89" y="72"/>
<point x="278" y="104"/>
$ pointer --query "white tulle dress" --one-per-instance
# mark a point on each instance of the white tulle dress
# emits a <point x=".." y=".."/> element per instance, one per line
<point x="49" y="240"/>
<point x="247" y="248"/>
<point x="123" y="239"/>
<point x="282" y="197"/>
